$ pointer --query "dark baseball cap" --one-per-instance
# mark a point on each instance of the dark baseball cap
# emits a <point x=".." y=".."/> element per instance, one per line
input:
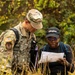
<point x="53" y="31"/>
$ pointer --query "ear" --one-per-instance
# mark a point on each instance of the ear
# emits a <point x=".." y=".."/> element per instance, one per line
<point x="27" y="21"/>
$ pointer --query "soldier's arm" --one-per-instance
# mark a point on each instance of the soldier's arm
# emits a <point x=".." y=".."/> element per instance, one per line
<point x="7" y="45"/>
<point x="9" y="37"/>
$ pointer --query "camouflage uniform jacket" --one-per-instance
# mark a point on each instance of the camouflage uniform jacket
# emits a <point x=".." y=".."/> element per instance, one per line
<point x="19" y="53"/>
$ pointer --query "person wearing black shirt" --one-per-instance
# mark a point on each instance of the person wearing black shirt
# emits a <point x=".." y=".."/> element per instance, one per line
<point x="62" y="65"/>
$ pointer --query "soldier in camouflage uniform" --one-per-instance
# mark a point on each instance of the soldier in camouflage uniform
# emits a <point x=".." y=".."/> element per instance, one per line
<point x="18" y="55"/>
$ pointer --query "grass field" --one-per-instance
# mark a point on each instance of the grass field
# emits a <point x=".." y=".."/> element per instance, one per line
<point x="3" y="64"/>
<point x="38" y="72"/>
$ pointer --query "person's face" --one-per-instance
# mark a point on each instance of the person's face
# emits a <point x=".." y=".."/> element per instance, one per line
<point x="53" y="41"/>
<point x="30" y="28"/>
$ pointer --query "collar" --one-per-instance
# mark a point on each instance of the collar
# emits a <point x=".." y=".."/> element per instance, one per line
<point x="24" y="32"/>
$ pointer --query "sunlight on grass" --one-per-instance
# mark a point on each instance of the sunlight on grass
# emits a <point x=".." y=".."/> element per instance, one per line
<point x="4" y="69"/>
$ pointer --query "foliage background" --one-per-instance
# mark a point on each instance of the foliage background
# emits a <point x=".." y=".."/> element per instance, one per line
<point x="59" y="13"/>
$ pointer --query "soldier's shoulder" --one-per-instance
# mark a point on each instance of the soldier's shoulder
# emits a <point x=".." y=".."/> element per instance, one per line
<point x="9" y="32"/>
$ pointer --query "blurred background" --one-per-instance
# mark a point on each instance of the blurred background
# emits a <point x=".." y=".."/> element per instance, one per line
<point x="59" y="13"/>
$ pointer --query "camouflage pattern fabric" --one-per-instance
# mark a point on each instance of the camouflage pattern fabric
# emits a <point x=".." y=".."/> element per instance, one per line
<point x="18" y="55"/>
<point x="5" y="53"/>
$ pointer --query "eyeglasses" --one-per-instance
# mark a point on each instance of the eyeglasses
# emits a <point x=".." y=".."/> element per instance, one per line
<point x="52" y="38"/>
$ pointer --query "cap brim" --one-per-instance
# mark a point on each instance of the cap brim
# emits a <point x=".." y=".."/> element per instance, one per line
<point x="37" y="25"/>
<point x="54" y="35"/>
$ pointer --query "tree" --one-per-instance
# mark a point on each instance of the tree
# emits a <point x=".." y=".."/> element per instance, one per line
<point x="56" y="13"/>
